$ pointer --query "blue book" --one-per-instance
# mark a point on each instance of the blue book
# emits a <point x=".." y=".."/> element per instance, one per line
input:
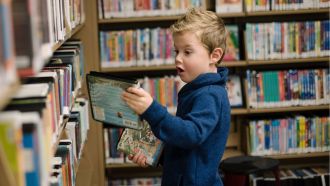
<point x="31" y="156"/>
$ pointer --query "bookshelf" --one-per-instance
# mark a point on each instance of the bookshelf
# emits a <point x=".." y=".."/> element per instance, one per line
<point x="86" y="168"/>
<point x="240" y="115"/>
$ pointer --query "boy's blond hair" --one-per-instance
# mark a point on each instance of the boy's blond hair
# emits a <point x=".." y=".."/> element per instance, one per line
<point x="209" y="28"/>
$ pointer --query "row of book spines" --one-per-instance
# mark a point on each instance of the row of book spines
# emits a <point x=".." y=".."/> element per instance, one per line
<point x="28" y="150"/>
<point x="289" y="135"/>
<point x="148" y="47"/>
<point x="66" y="16"/>
<point x="70" y="149"/>
<point x="115" y="8"/>
<point x="111" y="139"/>
<point x="135" y="47"/>
<point x="154" y="181"/>
<point x="289" y="88"/>
<point x="56" y="18"/>
<point x="314" y="175"/>
<point x="266" y="5"/>
<point x="164" y="89"/>
<point x="63" y="165"/>
<point x="287" y="40"/>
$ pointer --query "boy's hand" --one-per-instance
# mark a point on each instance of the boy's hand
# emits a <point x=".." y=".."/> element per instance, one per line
<point x="138" y="99"/>
<point x="138" y="158"/>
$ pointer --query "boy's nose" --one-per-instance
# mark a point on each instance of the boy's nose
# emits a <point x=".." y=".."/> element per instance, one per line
<point x="178" y="59"/>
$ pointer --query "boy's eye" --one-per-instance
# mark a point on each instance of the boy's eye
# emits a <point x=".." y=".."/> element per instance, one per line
<point x="187" y="52"/>
<point x="175" y="51"/>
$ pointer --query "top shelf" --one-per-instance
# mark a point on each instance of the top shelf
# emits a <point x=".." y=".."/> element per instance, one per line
<point x="229" y="64"/>
<point x="223" y="15"/>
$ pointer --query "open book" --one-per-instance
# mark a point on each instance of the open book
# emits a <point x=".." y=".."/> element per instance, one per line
<point x="142" y="140"/>
<point x="105" y="97"/>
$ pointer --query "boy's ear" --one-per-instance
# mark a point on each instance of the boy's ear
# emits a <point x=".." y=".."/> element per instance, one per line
<point x="216" y="55"/>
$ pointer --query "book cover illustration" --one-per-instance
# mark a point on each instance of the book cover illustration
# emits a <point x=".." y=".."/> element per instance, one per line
<point x="234" y="91"/>
<point x="142" y="140"/>
<point x="105" y="96"/>
<point x="232" y="42"/>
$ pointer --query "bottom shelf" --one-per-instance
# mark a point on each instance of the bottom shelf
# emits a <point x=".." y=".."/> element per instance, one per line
<point x="132" y="171"/>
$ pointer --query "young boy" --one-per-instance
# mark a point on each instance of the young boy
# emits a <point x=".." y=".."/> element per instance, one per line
<point x="195" y="138"/>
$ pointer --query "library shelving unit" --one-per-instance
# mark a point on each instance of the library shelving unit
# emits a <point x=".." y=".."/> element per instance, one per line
<point x="88" y="170"/>
<point x="236" y="144"/>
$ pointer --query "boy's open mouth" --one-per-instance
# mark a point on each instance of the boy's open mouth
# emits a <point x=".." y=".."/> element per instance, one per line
<point x="179" y="69"/>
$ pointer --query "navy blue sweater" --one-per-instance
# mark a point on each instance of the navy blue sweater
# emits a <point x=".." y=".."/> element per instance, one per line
<point x="195" y="138"/>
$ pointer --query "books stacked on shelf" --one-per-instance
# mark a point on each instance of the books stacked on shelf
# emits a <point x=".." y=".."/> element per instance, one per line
<point x="27" y="150"/>
<point x="64" y="152"/>
<point x="7" y="55"/>
<point x="164" y="89"/>
<point x="38" y="26"/>
<point x="232" y="44"/>
<point x="111" y="139"/>
<point x="258" y="5"/>
<point x="44" y="100"/>
<point x="308" y="176"/>
<point x="287" y="40"/>
<point x="142" y="8"/>
<point x="291" y="135"/>
<point x="228" y="6"/>
<point x="69" y="150"/>
<point x="289" y="88"/>
<point x="154" y="181"/>
<point x="142" y="47"/>
<point x="150" y="46"/>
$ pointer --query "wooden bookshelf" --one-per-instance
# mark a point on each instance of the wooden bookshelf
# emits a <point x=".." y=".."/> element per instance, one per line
<point x="131" y="171"/>
<point x="300" y="155"/>
<point x="165" y="67"/>
<point x="240" y="15"/>
<point x="228" y="64"/>
<point x="288" y="61"/>
<point x="139" y="68"/>
<point x="240" y="115"/>
<point x="238" y="111"/>
<point x="288" y="109"/>
<point x="139" y="19"/>
<point x="287" y="12"/>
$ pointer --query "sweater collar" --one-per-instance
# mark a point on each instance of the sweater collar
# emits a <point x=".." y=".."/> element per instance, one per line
<point x="219" y="78"/>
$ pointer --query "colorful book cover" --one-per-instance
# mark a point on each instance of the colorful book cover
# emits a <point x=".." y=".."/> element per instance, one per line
<point x="234" y="91"/>
<point x="232" y="46"/>
<point x="106" y="104"/>
<point x="142" y="140"/>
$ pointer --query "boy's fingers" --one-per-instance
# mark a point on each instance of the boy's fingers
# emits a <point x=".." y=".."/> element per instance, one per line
<point x="130" y="156"/>
<point x="137" y="91"/>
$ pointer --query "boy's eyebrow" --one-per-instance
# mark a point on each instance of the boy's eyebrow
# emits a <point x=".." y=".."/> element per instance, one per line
<point x="186" y="46"/>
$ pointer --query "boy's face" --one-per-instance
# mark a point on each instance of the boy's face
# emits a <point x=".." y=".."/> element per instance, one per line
<point x="191" y="57"/>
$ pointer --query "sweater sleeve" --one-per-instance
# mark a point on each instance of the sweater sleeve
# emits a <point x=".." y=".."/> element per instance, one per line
<point x="189" y="131"/>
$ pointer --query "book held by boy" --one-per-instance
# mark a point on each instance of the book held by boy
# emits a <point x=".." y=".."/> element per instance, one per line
<point x="105" y="96"/>
<point x="143" y="141"/>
